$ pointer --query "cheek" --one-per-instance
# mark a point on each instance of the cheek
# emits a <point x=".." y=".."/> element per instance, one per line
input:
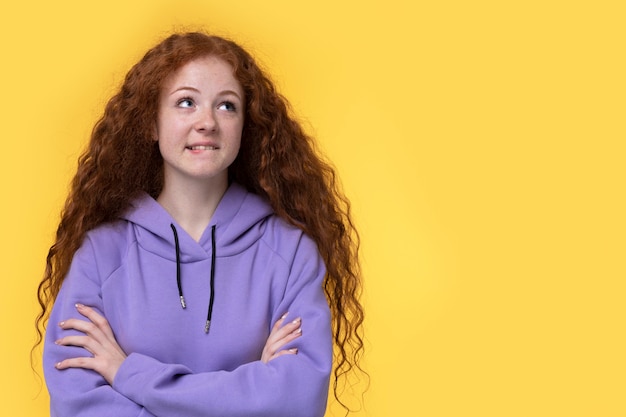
<point x="235" y="130"/>
<point x="165" y="142"/>
<point x="165" y="124"/>
<point x="167" y="130"/>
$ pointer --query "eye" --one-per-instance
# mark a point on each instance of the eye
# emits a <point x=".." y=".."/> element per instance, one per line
<point x="185" y="102"/>
<point x="228" y="106"/>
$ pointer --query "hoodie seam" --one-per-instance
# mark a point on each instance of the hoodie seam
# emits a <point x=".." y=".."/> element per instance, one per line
<point x="276" y="252"/>
<point x="124" y="255"/>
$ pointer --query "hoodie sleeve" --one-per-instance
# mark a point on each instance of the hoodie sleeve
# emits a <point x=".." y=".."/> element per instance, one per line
<point x="80" y="392"/>
<point x="290" y="385"/>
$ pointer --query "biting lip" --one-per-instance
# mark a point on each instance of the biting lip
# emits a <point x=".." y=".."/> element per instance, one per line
<point x="205" y="147"/>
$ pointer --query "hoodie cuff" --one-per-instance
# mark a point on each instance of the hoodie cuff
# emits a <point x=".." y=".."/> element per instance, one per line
<point x="136" y="376"/>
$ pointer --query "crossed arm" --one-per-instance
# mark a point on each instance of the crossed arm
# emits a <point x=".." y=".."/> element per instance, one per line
<point x="107" y="355"/>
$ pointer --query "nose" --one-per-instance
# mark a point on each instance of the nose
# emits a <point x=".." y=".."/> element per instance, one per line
<point x="206" y="121"/>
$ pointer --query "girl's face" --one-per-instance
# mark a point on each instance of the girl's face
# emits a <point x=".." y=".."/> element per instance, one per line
<point x="200" y="120"/>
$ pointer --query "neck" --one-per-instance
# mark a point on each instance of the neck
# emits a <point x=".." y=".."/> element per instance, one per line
<point x="192" y="204"/>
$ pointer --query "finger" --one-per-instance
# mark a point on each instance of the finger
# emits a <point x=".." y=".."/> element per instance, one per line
<point x="275" y="346"/>
<point x="281" y="335"/>
<point x="292" y="351"/>
<point x="86" y="363"/>
<point x="280" y="339"/>
<point x="281" y="332"/>
<point x="82" y="326"/>
<point x="85" y="342"/>
<point x="85" y="327"/>
<point x="279" y="323"/>
<point x="99" y="320"/>
<point x="97" y="326"/>
<point x="275" y="329"/>
<point x="101" y="340"/>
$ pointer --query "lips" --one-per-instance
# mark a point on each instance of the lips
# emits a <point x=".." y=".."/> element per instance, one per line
<point x="202" y="148"/>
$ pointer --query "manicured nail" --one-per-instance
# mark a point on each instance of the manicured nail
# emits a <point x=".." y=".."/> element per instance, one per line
<point x="284" y="316"/>
<point x="293" y="350"/>
<point x="61" y="324"/>
<point x="56" y="365"/>
<point x="298" y="330"/>
<point x="78" y="305"/>
<point x="297" y="321"/>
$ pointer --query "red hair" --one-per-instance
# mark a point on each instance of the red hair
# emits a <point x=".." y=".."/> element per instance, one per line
<point x="277" y="160"/>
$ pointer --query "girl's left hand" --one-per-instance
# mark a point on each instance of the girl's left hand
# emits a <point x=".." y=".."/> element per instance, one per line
<point x="279" y="337"/>
<point x="98" y="340"/>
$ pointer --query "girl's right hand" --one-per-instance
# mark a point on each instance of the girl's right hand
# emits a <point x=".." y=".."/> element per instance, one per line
<point x="279" y="337"/>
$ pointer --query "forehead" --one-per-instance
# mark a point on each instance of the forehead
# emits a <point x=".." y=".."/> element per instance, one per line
<point x="208" y="72"/>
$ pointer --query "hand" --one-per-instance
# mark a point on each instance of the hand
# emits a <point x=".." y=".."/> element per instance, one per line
<point x="279" y="337"/>
<point x="98" y="340"/>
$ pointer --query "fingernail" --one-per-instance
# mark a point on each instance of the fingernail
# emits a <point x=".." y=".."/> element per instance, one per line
<point x="299" y="330"/>
<point x="61" y="324"/>
<point x="78" y="305"/>
<point x="293" y="350"/>
<point x="56" y="365"/>
<point x="284" y="316"/>
<point x="297" y="321"/>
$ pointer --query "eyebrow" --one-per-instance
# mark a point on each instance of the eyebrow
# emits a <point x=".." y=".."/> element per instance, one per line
<point x="221" y="93"/>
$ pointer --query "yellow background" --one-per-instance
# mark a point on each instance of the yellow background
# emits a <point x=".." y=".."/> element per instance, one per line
<point x="481" y="143"/>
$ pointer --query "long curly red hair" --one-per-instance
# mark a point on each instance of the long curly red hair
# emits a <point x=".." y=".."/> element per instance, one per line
<point x="277" y="160"/>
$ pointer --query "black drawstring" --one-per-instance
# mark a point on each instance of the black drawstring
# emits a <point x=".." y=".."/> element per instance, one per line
<point x="207" y="325"/>
<point x="180" y="287"/>
<point x="212" y="285"/>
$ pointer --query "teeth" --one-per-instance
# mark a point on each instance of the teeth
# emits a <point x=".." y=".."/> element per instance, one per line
<point x="202" y="148"/>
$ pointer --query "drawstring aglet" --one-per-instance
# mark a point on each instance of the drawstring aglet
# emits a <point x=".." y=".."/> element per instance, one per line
<point x="182" y="302"/>
<point x="207" y="326"/>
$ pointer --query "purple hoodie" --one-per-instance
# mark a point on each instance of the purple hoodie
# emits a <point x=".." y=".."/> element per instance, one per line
<point x="263" y="268"/>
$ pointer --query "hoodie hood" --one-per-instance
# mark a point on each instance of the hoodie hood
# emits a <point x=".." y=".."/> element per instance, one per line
<point x="239" y="221"/>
